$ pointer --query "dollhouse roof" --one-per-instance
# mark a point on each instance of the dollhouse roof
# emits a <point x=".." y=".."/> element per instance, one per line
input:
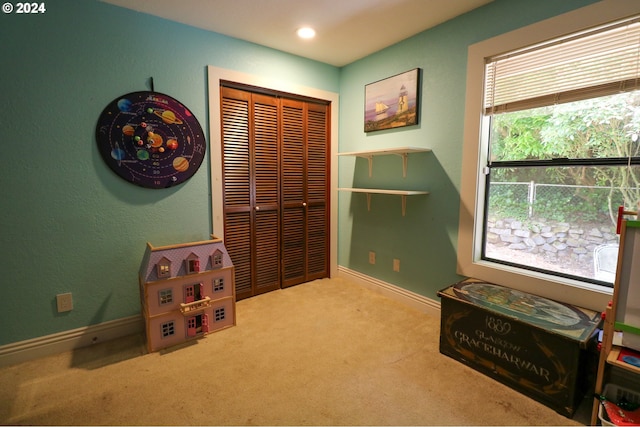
<point x="177" y="254"/>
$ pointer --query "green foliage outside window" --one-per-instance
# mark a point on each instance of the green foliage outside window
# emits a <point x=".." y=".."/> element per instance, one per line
<point x="600" y="128"/>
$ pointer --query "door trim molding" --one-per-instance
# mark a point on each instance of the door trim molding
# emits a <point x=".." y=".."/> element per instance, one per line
<point x="215" y="75"/>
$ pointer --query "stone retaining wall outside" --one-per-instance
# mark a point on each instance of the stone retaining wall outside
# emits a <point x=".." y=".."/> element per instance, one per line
<point x="554" y="241"/>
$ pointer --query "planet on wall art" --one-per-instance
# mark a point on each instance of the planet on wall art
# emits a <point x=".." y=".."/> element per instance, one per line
<point x="150" y="139"/>
<point x="124" y="104"/>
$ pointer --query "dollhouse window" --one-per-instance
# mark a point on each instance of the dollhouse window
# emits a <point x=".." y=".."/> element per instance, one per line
<point x="165" y="296"/>
<point x="164" y="268"/>
<point x="217" y="259"/>
<point x="218" y="284"/>
<point x="193" y="264"/>
<point x="219" y="314"/>
<point x="168" y="329"/>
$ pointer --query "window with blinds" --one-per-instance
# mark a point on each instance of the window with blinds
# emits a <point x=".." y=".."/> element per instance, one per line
<point x="563" y="151"/>
<point x="599" y="62"/>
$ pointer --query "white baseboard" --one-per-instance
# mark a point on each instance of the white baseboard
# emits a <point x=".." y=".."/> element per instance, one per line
<point x="47" y="345"/>
<point x="22" y="351"/>
<point x="419" y="302"/>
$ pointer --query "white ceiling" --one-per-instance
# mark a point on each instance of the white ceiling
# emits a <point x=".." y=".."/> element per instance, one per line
<point x="346" y="30"/>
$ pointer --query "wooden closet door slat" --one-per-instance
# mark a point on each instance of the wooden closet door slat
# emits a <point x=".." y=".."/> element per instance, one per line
<point x="266" y="193"/>
<point x="237" y="231"/>
<point x="293" y="172"/>
<point x="317" y="236"/>
<point x="236" y="164"/>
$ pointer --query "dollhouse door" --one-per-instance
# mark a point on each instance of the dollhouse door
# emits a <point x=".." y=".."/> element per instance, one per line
<point x="189" y="294"/>
<point x="191" y="327"/>
<point x="205" y="323"/>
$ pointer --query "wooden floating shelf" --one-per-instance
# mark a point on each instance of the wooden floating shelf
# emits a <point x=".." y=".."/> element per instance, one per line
<point x="380" y="191"/>
<point x="402" y="193"/>
<point x="384" y="151"/>
<point x="400" y="151"/>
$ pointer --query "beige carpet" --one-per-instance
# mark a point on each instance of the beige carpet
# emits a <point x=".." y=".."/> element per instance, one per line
<point x="327" y="352"/>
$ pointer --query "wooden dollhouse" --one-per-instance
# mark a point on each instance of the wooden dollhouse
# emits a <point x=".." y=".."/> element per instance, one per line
<point x="186" y="291"/>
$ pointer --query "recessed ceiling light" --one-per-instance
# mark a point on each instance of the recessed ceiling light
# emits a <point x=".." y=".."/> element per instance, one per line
<point x="306" y="32"/>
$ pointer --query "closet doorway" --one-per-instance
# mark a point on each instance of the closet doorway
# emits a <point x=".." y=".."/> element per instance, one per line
<point x="275" y="161"/>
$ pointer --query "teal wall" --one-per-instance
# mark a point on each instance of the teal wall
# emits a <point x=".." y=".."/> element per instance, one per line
<point x="425" y="240"/>
<point x="69" y="224"/>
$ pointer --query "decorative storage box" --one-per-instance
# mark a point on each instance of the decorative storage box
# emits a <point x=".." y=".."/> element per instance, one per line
<point x="532" y="344"/>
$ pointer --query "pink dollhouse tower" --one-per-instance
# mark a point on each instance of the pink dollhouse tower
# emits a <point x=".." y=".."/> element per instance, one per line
<point x="187" y="291"/>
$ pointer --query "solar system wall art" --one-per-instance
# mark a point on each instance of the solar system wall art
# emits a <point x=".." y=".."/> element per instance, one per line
<point x="150" y="139"/>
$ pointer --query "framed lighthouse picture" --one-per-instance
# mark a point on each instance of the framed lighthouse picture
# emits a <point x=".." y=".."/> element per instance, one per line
<point x="392" y="102"/>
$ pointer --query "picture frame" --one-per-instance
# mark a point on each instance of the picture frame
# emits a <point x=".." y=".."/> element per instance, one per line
<point x="392" y="102"/>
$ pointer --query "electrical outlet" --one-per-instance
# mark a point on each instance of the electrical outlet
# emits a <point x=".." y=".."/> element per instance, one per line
<point x="396" y="265"/>
<point x="64" y="302"/>
<point x="372" y="257"/>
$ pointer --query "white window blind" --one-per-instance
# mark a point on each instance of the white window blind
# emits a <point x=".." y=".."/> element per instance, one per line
<point x="598" y="62"/>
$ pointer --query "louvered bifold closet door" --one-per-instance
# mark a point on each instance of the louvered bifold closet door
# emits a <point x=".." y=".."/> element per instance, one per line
<point x="266" y="193"/>
<point x="304" y="175"/>
<point x="293" y="171"/>
<point x="250" y="159"/>
<point x="317" y="191"/>
<point x="236" y="161"/>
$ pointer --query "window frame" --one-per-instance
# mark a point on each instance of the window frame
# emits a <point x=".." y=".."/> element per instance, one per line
<point x="165" y="296"/>
<point x="168" y="329"/>
<point x="219" y="314"/>
<point x="218" y="285"/>
<point x="193" y="264"/>
<point x="473" y="182"/>
<point x="163" y="268"/>
<point x="216" y="259"/>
